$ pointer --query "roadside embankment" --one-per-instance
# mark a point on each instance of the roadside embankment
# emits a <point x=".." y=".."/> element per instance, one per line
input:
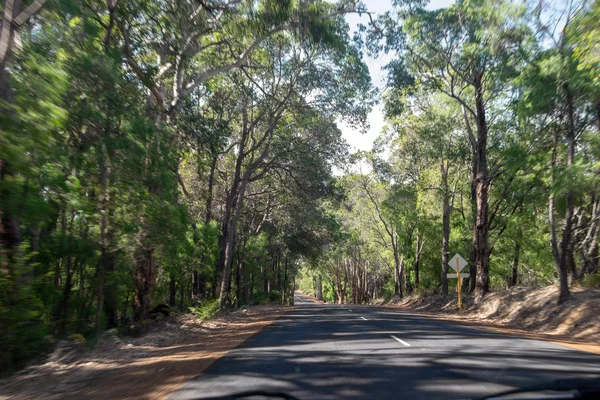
<point x="149" y="367"/>
<point x="526" y="311"/>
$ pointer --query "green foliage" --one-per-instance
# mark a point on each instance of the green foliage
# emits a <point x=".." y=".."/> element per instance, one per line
<point x="458" y="67"/>
<point x="274" y="296"/>
<point x="592" y="281"/>
<point x="207" y="310"/>
<point x="147" y="157"/>
<point x="78" y="338"/>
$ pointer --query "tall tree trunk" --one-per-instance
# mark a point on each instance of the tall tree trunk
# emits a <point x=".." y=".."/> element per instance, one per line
<point x="172" y="289"/>
<point x="199" y="276"/>
<point x="589" y="248"/>
<point x="418" y="250"/>
<point x="285" y="279"/>
<point x="514" y="279"/>
<point x="62" y="312"/>
<point x="279" y="274"/>
<point x="238" y="283"/>
<point x="319" y="289"/>
<point x="482" y="255"/>
<point x="10" y="231"/>
<point x="145" y="281"/>
<point x="397" y="281"/>
<point x="569" y="212"/>
<point x="229" y="243"/>
<point x="182" y="289"/>
<point x="211" y="183"/>
<point x="231" y="203"/>
<point x="445" y="243"/>
<point x="468" y="284"/>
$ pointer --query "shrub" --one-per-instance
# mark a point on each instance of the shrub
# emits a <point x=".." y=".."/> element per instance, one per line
<point x="207" y="310"/>
<point x="592" y="281"/>
<point x="274" y="296"/>
<point x="259" y="298"/>
<point x="78" y="338"/>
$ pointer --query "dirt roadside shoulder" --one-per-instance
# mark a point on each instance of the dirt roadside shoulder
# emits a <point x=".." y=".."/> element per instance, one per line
<point x="561" y="340"/>
<point x="149" y="367"/>
<point x="528" y="313"/>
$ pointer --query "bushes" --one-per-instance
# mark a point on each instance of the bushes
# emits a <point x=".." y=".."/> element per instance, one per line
<point x="273" y="297"/>
<point x="592" y="281"/>
<point x="77" y="338"/>
<point x="207" y="310"/>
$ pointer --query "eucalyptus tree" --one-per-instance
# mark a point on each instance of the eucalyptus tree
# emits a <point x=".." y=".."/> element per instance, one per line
<point x="428" y="138"/>
<point x="175" y="49"/>
<point x="559" y="98"/>
<point x="468" y="51"/>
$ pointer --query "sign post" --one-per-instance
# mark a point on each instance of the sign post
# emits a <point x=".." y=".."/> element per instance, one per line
<point x="458" y="286"/>
<point x="458" y="263"/>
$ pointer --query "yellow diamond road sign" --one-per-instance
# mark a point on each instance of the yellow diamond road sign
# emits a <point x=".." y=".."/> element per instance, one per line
<point x="457" y="261"/>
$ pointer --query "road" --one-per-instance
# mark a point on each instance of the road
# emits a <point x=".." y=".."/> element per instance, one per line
<point x="321" y="351"/>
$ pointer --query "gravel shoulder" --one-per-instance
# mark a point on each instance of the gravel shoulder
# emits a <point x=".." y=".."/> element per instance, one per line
<point x="149" y="367"/>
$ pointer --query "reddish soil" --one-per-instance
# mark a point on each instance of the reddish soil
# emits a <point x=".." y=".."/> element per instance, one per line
<point x="524" y="311"/>
<point x="149" y="367"/>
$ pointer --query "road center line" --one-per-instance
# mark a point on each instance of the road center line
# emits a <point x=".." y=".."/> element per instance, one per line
<point x="364" y="318"/>
<point x="400" y="340"/>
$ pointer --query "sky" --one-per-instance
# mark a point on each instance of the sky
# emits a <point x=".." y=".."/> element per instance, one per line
<point x="356" y="139"/>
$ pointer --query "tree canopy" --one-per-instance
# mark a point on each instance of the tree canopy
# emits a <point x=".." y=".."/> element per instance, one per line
<point x="187" y="154"/>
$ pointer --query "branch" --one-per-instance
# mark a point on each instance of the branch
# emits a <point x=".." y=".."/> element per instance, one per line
<point x="138" y="71"/>
<point x="206" y="75"/>
<point x="28" y="13"/>
<point x="182" y="184"/>
<point x="203" y="76"/>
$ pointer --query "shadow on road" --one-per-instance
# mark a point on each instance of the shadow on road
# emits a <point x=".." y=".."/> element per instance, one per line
<point x="320" y="351"/>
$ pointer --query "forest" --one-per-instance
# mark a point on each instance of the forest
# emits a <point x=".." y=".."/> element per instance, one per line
<point x="187" y="154"/>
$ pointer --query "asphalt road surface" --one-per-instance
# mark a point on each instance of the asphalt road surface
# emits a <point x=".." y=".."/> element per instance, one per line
<point x="364" y="352"/>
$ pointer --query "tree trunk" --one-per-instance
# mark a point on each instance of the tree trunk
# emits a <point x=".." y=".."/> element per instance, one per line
<point x="397" y="267"/>
<point x="397" y="285"/>
<point x="229" y="243"/>
<point x="172" y="289"/>
<point x="10" y="232"/>
<point x="195" y="285"/>
<point x="482" y="254"/>
<point x="445" y="243"/>
<point x="231" y="204"/>
<point x="319" y="289"/>
<point x="239" y="277"/>
<point x="145" y="280"/>
<point x="182" y="289"/>
<point x="418" y="250"/>
<point x="279" y="274"/>
<point x="62" y="312"/>
<point x="589" y="248"/>
<point x="285" y="282"/>
<point x="514" y="279"/>
<point x="209" y="195"/>
<point x="569" y="212"/>
<point x="199" y="277"/>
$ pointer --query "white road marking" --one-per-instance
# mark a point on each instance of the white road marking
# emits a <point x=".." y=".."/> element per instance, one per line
<point x="400" y="340"/>
<point x="364" y="318"/>
<point x="350" y="310"/>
